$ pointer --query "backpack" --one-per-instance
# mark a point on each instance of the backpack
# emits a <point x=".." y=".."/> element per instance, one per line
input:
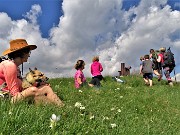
<point x="168" y="59"/>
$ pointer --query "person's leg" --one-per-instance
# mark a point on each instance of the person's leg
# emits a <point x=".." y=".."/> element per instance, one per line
<point x="92" y="82"/>
<point x="145" y="79"/>
<point x="150" y="82"/>
<point x="167" y="74"/>
<point x="45" y="94"/>
<point x="150" y="77"/>
<point x="27" y="93"/>
<point x="98" y="84"/>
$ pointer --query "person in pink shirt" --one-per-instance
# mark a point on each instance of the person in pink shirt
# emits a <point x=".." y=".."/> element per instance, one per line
<point x="96" y="69"/>
<point x="11" y="80"/>
<point x="79" y="78"/>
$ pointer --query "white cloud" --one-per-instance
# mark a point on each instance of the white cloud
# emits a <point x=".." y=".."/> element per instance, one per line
<point x="96" y="27"/>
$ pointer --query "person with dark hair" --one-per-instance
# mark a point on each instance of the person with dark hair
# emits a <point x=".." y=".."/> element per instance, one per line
<point x="96" y="69"/>
<point x="11" y="80"/>
<point x="157" y="66"/>
<point x="146" y="70"/>
<point x="79" y="78"/>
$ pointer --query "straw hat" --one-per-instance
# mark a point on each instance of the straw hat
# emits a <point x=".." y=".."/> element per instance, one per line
<point x="18" y="44"/>
<point x="162" y="49"/>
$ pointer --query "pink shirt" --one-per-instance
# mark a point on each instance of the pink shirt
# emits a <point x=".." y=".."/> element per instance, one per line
<point x="162" y="57"/>
<point x="9" y="73"/>
<point x="79" y="74"/>
<point x="96" y="68"/>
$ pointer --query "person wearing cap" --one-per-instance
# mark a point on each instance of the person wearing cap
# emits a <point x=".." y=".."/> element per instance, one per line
<point x="10" y="75"/>
<point x="166" y="69"/>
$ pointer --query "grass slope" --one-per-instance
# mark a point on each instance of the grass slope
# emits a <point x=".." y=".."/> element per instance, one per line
<point x="128" y="109"/>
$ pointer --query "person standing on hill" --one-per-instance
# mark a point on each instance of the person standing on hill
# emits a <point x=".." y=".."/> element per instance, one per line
<point x="146" y="70"/>
<point x="79" y="78"/>
<point x="96" y="69"/>
<point x="167" y="68"/>
<point x="157" y="66"/>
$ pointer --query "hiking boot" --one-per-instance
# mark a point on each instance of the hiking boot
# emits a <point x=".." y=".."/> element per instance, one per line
<point x="159" y="77"/>
<point x="171" y="84"/>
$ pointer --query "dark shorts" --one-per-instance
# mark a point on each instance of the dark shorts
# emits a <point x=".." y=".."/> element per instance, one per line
<point x="96" y="80"/>
<point x="157" y="66"/>
<point x="148" y="75"/>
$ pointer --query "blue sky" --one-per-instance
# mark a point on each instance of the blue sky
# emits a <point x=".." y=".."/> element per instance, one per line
<point x="65" y="31"/>
<point x="49" y="17"/>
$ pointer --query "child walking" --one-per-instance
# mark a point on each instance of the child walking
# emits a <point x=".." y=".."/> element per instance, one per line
<point x="96" y="69"/>
<point x="79" y="78"/>
<point x="146" y="70"/>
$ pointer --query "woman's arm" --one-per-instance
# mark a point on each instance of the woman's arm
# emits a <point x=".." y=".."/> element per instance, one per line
<point x="10" y="74"/>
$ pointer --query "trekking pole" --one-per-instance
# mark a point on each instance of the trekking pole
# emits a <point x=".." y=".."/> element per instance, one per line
<point x="175" y="76"/>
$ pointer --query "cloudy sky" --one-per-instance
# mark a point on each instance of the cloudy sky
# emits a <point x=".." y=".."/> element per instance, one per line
<point x="115" y="30"/>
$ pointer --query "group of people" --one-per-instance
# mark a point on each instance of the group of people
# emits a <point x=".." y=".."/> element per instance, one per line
<point x="96" y="69"/>
<point x="157" y="62"/>
<point x="11" y="79"/>
<point x="19" y="51"/>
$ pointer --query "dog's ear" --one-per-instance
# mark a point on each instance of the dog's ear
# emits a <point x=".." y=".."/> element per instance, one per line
<point x="31" y="70"/>
<point x="35" y="68"/>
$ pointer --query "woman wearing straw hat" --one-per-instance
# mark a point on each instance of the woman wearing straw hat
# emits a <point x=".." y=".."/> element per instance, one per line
<point x="18" y="53"/>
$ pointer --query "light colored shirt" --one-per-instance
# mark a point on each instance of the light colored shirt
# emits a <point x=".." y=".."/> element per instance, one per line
<point x="79" y="74"/>
<point x="9" y="73"/>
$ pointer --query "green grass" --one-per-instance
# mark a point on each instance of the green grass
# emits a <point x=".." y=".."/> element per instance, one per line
<point x="136" y="109"/>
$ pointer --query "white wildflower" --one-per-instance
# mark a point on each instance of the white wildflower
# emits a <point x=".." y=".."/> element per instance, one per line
<point x="113" y="125"/>
<point x="10" y="113"/>
<point x="82" y="108"/>
<point x="80" y="91"/>
<point x="118" y="88"/>
<point x="105" y="118"/>
<point x="91" y="117"/>
<point x="78" y="104"/>
<point x="119" y="110"/>
<point x="53" y="120"/>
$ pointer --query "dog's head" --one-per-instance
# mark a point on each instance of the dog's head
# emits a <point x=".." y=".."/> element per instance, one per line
<point x="35" y="76"/>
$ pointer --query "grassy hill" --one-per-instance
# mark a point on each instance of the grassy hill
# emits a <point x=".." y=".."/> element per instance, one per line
<point x="129" y="108"/>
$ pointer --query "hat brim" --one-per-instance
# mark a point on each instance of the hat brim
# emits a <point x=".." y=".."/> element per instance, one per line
<point x="8" y="51"/>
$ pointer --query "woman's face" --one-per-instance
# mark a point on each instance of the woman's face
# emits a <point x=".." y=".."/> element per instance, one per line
<point x="25" y="57"/>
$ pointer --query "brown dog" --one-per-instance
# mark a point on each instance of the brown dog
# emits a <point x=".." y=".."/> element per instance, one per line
<point x="34" y="78"/>
<point x="37" y="78"/>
